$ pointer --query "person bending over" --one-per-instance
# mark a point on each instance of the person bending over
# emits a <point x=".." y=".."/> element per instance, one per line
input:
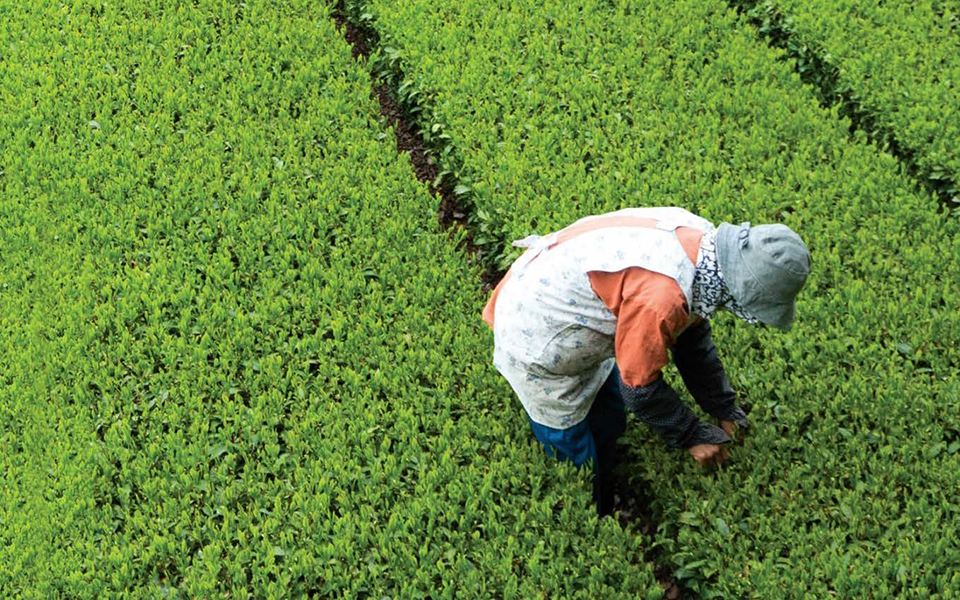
<point x="587" y="317"/>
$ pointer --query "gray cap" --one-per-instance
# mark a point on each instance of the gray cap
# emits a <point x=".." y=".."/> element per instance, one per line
<point x="764" y="267"/>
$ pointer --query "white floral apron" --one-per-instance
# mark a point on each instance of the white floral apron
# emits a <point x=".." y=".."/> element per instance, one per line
<point x="553" y="336"/>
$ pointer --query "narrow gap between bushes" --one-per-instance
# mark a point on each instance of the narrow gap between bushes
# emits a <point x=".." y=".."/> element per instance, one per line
<point x="809" y="63"/>
<point x="452" y="214"/>
<point x="634" y="513"/>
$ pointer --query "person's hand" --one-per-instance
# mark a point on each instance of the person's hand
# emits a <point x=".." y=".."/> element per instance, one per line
<point x="709" y="455"/>
<point x="733" y="430"/>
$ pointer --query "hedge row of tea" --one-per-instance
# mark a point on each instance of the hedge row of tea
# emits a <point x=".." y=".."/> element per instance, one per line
<point x="897" y="64"/>
<point x="553" y="110"/>
<point x="240" y="359"/>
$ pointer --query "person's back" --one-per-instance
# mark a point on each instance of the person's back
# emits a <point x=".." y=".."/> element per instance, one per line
<point x="556" y="313"/>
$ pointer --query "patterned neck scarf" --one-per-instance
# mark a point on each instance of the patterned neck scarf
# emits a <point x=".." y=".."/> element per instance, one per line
<point x="709" y="290"/>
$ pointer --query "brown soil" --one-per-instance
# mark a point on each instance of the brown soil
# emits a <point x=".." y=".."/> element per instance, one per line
<point x="451" y="214"/>
<point x="632" y="508"/>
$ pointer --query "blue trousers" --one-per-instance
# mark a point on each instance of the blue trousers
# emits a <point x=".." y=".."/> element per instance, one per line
<point x="593" y="440"/>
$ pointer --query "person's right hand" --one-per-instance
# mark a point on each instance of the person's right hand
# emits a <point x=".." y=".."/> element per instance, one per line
<point x="709" y="455"/>
<point x="734" y="430"/>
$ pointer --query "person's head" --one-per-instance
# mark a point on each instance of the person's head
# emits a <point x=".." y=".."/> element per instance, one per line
<point x="764" y="268"/>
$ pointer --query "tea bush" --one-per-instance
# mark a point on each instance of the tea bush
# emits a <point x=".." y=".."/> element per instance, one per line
<point x="239" y="357"/>
<point x="554" y="110"/>
<point x="894" y="67"/>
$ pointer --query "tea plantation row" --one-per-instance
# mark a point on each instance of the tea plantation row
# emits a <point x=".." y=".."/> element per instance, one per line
<point x="552" y="110"/>
<point x="896" y="64"/>
<point x="239" y="358"/>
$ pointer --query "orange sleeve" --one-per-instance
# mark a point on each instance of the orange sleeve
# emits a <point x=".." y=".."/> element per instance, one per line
<point x="650" y="310"/>
<point x="491" y="306"/>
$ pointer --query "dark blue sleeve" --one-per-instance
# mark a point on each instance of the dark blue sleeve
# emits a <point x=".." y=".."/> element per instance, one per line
<point x="696" y="358"/>
<point x="659" y="406"/>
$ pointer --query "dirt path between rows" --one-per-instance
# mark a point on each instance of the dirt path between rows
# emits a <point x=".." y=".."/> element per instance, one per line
<point x="452" y="215"/>
<point x="634" y="512"/>
<point x="815" y="69"/>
